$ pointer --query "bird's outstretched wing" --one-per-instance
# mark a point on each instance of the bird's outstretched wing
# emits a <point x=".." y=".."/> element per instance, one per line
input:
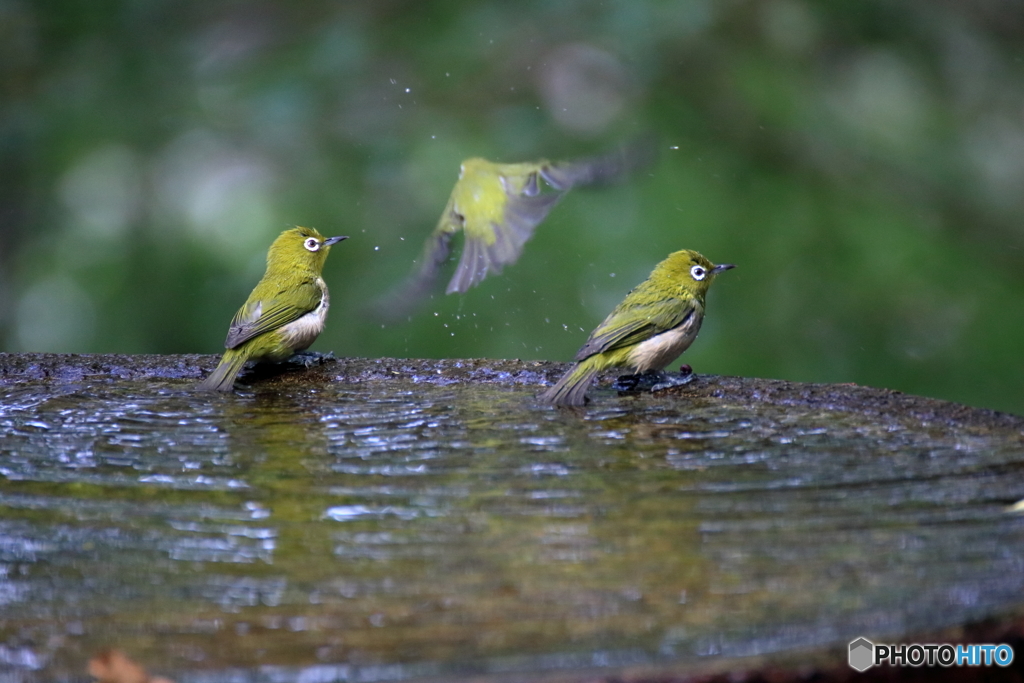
<point x="491" y="243"/>
<point x="268" y="311"/>
<point x="602" y="169"/>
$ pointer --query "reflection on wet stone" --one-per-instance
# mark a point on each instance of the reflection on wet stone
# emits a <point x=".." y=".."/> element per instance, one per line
<point x="379" y="530"/>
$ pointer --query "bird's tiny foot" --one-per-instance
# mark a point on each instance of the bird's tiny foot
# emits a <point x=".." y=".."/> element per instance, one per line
<point x="626" y="383"/>
<point x="308" y="359"/>
<point x="642" y="381"/>
<point x="667" y="381"/>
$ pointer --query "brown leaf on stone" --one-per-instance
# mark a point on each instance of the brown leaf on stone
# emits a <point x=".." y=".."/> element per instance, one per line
<point x="113" y="666"/>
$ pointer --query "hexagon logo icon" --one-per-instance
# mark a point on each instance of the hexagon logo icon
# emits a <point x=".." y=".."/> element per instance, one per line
<point x="862" y="654"/>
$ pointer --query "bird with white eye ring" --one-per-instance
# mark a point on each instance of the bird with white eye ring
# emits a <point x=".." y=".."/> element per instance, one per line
<point x="285" y="312"/>
<point x="653" y="325"/>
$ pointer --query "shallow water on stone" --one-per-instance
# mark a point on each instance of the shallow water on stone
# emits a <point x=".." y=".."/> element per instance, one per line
<point x="385" y="531"/>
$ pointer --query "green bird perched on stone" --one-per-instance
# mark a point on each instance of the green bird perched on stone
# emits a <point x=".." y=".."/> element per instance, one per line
<point x="653" y="325"/>
<point x="497" y="207"/>
<point x="286" y="311"/>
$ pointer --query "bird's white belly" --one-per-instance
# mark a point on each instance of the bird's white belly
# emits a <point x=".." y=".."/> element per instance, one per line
<point x="300" y="333"/>
<point x="660" y="350"/>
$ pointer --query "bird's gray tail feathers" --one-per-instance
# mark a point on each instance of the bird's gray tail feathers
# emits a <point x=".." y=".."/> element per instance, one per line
<point x="223" y="376"/>
<point x="571" y="390"/>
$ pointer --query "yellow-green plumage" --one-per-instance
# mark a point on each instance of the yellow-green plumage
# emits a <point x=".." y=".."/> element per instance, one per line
<point x="285" y="312"/>
<point x="653" y="325"/>
<point x="497" y="207"/>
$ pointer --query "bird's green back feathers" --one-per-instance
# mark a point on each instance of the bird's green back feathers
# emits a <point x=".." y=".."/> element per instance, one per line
<point x="663" y="301"/>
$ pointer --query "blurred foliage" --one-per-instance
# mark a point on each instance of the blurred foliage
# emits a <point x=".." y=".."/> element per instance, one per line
<point x="861" y="160"/>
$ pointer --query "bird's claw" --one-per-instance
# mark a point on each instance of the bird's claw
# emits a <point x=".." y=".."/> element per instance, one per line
<point x="653" y="381"/>
<point x="626" y="383"/>
<point x="641" y="381"/>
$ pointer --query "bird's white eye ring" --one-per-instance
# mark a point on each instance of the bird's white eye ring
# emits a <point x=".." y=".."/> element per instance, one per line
<point x="698" y="272"/>
<point x="312" y="244"/>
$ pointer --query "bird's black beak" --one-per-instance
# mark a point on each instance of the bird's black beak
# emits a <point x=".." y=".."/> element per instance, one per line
<point x="725" y="266"/>
<point x="334" y="240"/>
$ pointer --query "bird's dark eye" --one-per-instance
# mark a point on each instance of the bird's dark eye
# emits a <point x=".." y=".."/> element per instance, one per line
<point x="312" y="244"/>
<point x="698" y="272"/>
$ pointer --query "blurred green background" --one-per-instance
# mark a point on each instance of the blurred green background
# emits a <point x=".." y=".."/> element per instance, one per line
<point x="861" y="160"/>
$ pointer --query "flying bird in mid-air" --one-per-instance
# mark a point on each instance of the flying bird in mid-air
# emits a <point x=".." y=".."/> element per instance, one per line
<point x="497" y="207"/>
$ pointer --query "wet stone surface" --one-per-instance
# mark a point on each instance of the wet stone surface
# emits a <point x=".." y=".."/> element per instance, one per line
<point x="396" y="519"/>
